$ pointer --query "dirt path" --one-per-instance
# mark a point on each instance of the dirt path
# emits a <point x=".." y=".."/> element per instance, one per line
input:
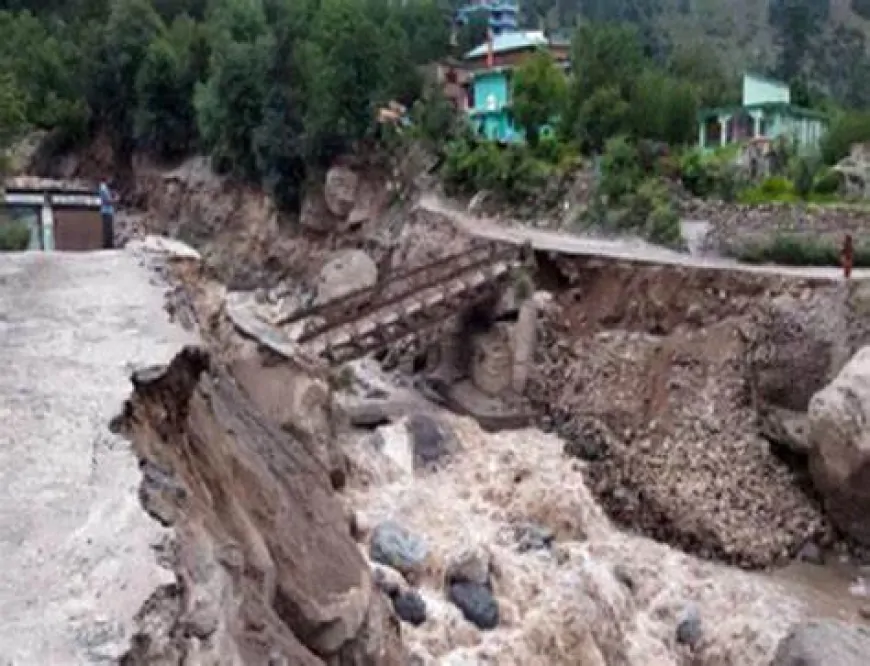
<point x="76" y="546"/>
<point x="631" y="250"/>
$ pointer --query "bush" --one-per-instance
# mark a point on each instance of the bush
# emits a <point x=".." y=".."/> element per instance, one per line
<point x="696" y="174"/>
<point x="621" y="173"/>
<point x="513" y="173"/>
<point x="796" y="250"/>
<point x="650" y="214"/>
<point x="805" y="170"/>
<point x="847" y="130"/>
<point x="776" y="186"/>
<point x="14" y="236"/>
<point x="827" y="182"/>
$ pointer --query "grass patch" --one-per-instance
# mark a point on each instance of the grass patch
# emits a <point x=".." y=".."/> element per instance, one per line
<point x="795" y="250"/>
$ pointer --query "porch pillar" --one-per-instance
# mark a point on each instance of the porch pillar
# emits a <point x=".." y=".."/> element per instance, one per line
<point x="756" y="124"/>
<point x="723" y="129"/>
<point x="702" y="133"/>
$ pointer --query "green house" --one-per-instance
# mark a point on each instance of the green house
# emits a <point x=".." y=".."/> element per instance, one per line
<point x="766" y="112"/>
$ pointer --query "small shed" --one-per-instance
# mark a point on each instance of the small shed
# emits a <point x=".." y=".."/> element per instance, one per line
<point x="59" y="217"/>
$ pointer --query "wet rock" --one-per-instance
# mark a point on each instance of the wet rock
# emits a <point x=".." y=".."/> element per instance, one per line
<point x="828" y="643"/>
<point x="340" y="190"/>
<point x="811" y="553"/>
<point x="410" y="607"/>
<point x="689" y="629"/>
<point x="624" y="576"/>
<point x="431" y="440"/>
<point x="396" y="547"/>
<point x="840" y="454"/>
<point x="476" y="602"/>
<point x="530" y="536"/>
<point x="388" y="580"/>
<point x="469" y="565"/>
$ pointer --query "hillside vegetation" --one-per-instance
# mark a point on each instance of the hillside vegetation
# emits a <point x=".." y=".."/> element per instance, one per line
<point x="275" y="90"/>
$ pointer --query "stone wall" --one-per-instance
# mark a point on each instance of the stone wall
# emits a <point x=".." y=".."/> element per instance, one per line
<point x="733" y="225"/>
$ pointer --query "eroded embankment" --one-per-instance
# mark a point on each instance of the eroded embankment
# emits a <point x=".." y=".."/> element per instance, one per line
<point x="266" y="569"/>
<point x="646" y="371"/>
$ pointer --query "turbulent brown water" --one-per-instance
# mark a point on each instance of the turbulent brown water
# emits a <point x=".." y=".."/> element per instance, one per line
<point x="571" y="604"/>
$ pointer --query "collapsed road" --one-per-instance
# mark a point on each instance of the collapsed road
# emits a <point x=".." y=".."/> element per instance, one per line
<point x="76" y="546"/>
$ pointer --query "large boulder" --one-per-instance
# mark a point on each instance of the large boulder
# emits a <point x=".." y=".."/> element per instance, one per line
<point x="346" y="271"/>
<point x="839" y="428"/>
<point x="394" y="546"/>
<point x="340" y="191"/>
<point x="798" y="344"/>
<point x="826" y="643"/>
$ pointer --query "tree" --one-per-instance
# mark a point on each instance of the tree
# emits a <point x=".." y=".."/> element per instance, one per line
<point x="229" y="105"/>
<point x="12" y="119"/>
<point x="349" y="67"/>
<point x="165" y="117"/>
<point x="605" y="61"/>
<point x="698" y="64"/>
<point x="473" y="32"/>
<point x="663" y="108"/>
<point x="132" y="26"/>
<point x="538" y="94"/>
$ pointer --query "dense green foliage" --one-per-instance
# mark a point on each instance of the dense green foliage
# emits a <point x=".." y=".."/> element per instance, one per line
<point x="274" y="90"/>
<point x="539" y="90"/>
<point x="271" y="89"/>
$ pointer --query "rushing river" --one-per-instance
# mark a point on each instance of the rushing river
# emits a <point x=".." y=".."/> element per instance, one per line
<point x="598" y="596"/>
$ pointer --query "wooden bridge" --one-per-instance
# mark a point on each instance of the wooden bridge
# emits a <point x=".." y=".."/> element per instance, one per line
<point x="403" y="305"/>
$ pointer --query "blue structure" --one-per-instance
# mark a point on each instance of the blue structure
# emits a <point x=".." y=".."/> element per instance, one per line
<point x="503" y="14"/>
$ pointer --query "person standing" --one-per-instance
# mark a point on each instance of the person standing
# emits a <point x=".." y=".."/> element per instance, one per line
<point x="847" y="256"/>
<point x="107" y="212"/>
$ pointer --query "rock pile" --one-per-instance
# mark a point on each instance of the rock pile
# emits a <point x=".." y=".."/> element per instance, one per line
<point x="666" y="424"/>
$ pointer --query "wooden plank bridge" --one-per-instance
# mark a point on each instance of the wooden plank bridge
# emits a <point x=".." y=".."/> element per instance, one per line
<point x="403" y="304"/>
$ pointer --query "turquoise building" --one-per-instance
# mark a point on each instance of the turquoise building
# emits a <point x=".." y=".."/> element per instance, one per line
<point x="491" y="67"/>
<point x="766" y="112"/>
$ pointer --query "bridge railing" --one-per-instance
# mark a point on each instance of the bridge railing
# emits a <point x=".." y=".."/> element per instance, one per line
<point x="395" y="288"/>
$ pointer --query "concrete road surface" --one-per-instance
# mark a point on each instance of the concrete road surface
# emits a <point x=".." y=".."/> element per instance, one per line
<point x="76" y="558"/>
<point x="631" y="250"/>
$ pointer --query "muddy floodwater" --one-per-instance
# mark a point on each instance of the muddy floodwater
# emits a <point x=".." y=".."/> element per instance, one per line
<point x="597" y="595"/>
<point x="838" y="589"/>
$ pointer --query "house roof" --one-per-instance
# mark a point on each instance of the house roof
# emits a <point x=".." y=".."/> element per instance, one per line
<point x="783" y="108"/>
<point x="510" y="41"/>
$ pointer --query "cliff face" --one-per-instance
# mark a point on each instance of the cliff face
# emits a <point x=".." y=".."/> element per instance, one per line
<point x="266" y="569"/>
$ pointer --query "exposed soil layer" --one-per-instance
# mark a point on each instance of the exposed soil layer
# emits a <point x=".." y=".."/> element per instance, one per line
<point x="644" y="370"/>
<point x="267" y="571"/>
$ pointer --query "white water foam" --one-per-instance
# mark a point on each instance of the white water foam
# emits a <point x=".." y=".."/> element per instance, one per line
<point x="569" y="604"/>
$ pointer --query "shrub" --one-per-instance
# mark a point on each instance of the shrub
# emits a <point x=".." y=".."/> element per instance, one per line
<point x="696" y="174"/>
<point x="620" y="169"/>
<point x="827" y="181"/>
<point x="513" y="173"/>
<point x="797" y="250"/>
<point x="14" y="236"/>
<point x="847" y="130"/>
<point x="776" y="186"/>
<point x="650" y="213"/>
